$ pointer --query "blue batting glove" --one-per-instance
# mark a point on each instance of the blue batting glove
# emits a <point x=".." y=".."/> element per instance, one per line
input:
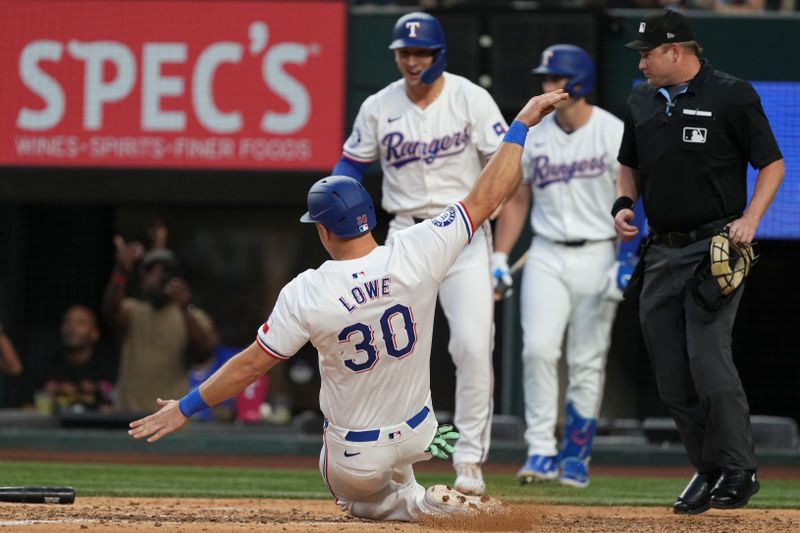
<point x="501" y="275"/>
<point x="619" y="275"/>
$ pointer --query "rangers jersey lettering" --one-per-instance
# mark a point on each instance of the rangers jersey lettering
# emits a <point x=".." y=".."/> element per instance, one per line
<point x="428" y="156"/>
<point x="573" y="176"/>
<point x="371" y="320"/>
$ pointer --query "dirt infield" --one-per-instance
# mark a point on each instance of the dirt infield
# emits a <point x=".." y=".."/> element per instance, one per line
<point x="194" y="515"/>
<point x="185" y="515"/>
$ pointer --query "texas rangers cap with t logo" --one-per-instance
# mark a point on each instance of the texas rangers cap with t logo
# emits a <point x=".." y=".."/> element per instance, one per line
<point x="665" y="27"/>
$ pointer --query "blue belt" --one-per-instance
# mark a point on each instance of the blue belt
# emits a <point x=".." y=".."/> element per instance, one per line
<point x="370" y="435"/>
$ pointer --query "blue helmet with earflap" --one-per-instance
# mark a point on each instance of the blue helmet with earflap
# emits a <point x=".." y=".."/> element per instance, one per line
<point x="420" y="30"/>
<point x="572" y="62"/>
<point x="341" y="204"/>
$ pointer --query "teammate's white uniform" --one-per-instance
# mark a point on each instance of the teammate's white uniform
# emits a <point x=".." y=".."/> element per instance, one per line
<point x="371" y="319"/>
<point x="573" y="177"/>
<point x="428" y="157"/>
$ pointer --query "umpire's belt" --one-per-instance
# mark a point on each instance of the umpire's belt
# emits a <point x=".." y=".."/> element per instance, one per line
<point x="675" y="239"/>
<point x="370" y="435"/>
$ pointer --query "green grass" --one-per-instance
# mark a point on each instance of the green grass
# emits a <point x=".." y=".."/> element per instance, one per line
<point x="193" y="481"/>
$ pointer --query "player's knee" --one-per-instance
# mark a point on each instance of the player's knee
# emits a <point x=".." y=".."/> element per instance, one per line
<point x="467" y="352"/>
<point x="587" y="369"/>
<point x="363" y="483"/>
<point x="537" y="348"/>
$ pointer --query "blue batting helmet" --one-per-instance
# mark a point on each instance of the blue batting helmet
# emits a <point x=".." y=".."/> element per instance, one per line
<point x="569" y="61"/>
<point x="341" y="204"/>
<point x="420" y="30"/>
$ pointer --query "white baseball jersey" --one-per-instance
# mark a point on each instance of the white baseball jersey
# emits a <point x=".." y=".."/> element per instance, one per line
<point x="573" y="177"/>
<point x="416" y="147"/>
<point x="371" y="320"/>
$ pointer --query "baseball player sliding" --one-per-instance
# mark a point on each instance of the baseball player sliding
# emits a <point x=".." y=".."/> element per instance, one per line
<point x="369" y="313"/>
<point x="570" y="167"/>
<point x="432" y="131"/>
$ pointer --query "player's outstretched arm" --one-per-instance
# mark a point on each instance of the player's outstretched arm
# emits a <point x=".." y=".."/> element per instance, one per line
<point x="502" y="172"/>
<point x="234" y="376"/>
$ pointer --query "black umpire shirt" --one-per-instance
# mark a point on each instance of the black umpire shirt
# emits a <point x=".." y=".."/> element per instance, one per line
<point x="691" y="152"/>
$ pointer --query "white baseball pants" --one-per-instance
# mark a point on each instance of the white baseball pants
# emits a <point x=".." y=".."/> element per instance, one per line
<point x="374" y="479"/>
<point x="562" y="292"/>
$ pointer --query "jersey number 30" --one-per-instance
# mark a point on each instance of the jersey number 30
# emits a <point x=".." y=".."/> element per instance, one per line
<point x="397" y="316"/>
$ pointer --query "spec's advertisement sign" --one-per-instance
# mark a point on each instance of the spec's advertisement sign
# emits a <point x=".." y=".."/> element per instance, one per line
<point x="212" y="84"/>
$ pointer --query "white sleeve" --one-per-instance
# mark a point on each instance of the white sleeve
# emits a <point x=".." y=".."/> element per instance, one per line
<point x="283" y="334"/>
<point x="436" y="243"/>
<point x="362" y="145"/>
<point x="489" y="126"/>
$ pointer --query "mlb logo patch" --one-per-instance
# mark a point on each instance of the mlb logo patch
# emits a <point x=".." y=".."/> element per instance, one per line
<point x="695" y="135"/>
<point x="642" y="26"/>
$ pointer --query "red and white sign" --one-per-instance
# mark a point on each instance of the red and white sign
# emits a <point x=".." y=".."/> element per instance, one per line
<point x="212" y="84"/>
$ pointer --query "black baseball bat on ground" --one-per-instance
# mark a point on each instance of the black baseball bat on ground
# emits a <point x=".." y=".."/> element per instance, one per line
<point x="37" y="494"/>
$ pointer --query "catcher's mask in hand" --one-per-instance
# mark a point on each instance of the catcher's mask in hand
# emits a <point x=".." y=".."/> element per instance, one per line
<point x="727" y="266"/>
<point x="730" y="262"/>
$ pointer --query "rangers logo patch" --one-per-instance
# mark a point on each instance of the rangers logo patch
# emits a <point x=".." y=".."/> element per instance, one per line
<point x="445" y="218"/>
<point x="695" y="135"/>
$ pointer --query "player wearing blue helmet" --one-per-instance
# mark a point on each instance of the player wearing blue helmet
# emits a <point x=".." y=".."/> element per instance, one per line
<point x="369" y="313"/>
<point x="571" y="63"/>
<point x="422" y="31"/>
<point x="432" y="131"/>
<point x="569" y="283"/>
<point x="341" y="204"/>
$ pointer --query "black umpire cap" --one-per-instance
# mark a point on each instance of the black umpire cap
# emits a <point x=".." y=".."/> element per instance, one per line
<point x="666" y="27"/>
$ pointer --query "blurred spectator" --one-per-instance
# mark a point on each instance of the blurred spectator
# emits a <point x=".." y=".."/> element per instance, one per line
<point x="678" y="5"/>
<point x="80" y="376"/>
<point x="162" y="334"/>
<point x="9" y="359"/>
<point x="739" y="6"/>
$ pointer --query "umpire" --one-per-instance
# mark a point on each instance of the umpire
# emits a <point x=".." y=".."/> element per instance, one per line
<point x="690" y="132"/>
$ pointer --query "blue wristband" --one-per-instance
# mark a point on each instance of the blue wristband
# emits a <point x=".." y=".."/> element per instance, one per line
<point x="192" y="403"/>
<point x="517" y="133"/>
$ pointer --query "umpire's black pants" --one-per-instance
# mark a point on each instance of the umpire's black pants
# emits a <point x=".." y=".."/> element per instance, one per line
<point x="690" y="350"/>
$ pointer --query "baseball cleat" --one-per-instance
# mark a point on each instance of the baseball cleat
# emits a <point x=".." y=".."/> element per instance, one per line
<point x="469" y="479"/>
<point x="538" y="468"/>
<point x="443" y="500"/>
<point x="574" y="472"/>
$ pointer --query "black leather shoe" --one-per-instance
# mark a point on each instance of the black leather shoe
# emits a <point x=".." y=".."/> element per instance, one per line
<point x="696" y="497"/>
<point x="734" y="488"/>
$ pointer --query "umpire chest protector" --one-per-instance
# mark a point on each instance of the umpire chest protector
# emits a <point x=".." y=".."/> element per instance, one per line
<point x="691" y="149"/>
